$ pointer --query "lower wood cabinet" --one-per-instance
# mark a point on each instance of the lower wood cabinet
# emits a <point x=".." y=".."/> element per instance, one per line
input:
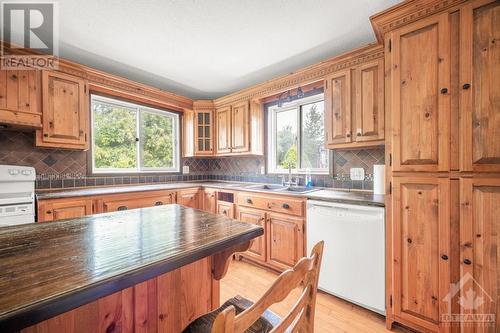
<point x="60" y="209"/>
<point x="258" y="217"/>
<point x="225" y="208"/>
<point x="189" y="197"/>
<point x="283" y="242"/>
<point x="209" y="201"/>
<point x="421" y="250"/>
<point x="286" y="240"/>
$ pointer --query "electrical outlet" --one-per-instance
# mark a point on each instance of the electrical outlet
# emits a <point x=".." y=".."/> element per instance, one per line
<point x="185" y="169"/>
<point x="357" y="174"/>
<point x="262" y="170"/>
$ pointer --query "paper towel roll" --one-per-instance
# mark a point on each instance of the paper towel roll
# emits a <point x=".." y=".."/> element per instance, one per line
<point x="379" y="179"/>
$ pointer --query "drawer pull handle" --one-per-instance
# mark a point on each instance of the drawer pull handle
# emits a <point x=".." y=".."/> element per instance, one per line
<point x="467" y="261"/>
<point x="286" y="206"/>
<point x="466" y="86"/>
<point x="444" y="257"/>
<point x="158" y="203"/>
<point x="249" y="201"/>
<point x="122" y="208"/>
<point x="444" y="91"/>
<point x="49" y="212"/>
<point x="224" y="212"/>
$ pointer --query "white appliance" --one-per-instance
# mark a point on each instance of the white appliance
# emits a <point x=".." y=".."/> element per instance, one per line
<point x="17" y="195"/>
<point x="353" y="266"/>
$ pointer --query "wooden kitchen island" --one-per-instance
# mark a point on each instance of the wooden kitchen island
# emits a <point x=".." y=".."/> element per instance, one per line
<point x="144" y="270"/>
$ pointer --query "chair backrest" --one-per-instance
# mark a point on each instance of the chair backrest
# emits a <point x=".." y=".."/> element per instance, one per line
<point x="300" y="318"/>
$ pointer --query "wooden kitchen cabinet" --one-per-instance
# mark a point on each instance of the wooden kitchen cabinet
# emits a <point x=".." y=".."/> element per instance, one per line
<point x="479" y="244"/>
<point x="354" y="104"/>
<point x="58" y="209"/>
<point x="189" y="197"/>
<point x="258" y="217"/>
<point x="480" y="86"/>
<point x="338" y="108"/>
<point x="210" y="200"/>
<point x="225" y="208"/>
<point x="240" y="123"/>
<point x="369" y="101"/>
<point x="65" y="112"/>
<point x="421" y="250"/>
<point x="20" y="98"/>
<point x="420" y="95"/>
<point x="223" y="130"/>
<point x="134" y="200"/>
<point x="203" y="132"/>
<point x="286" y="240"/>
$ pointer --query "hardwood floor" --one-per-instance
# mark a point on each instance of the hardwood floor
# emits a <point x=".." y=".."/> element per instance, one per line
<point x="333" y="315"/>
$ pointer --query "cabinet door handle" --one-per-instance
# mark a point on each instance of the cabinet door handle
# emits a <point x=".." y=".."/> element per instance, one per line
<point x="122" y="208"/>
<point x="224" y="212"/>
<point x="49" y="212"/>
<point x="467" y="261"/>
<point x="444" y="257"/>
<point x="444" y="91"/>
<point x="158" y="203"/>
<point x="466" y="86"/>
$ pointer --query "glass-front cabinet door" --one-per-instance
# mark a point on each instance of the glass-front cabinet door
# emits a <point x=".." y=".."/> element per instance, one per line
<point x="203" y="132"/>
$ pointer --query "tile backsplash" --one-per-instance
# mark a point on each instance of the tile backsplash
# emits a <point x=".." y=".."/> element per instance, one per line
<point x="65" y="169"/>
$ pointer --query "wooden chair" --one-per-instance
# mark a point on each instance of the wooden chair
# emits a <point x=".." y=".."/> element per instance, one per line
<point x="239" y="315"/>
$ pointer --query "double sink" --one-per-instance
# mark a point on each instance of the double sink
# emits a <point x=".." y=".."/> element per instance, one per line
<point x="280" y="188"/>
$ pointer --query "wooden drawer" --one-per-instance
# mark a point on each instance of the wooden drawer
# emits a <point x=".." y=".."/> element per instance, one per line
<point x="136" y="200"/>
<point x="225" y="208"/>
<point x="285" y="205"/>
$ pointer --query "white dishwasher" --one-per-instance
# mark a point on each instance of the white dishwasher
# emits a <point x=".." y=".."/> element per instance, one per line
<point x="353" y="266"/>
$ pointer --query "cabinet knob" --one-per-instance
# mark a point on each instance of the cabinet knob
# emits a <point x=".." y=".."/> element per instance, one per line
<point x="13" y="77"/>
<point x="45" y="135"/>
<point x="466" y="86"/>
<point x="49" y="212"/>
<point x="348" y="135"/>
<point x="286" y="206"/>
<point x="444" y="91"/>
<point x="158" y="203"/>
<point x="444" y="257"/>
<point x="224" y="212"/>
<point x="122" y="208"/>
<point x="467" y="261"/>
<point x="249" y="201"/>
<point x="358" y="134"/>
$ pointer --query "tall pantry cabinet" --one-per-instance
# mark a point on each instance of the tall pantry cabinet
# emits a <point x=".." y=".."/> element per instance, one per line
<point x="442" y="83"/>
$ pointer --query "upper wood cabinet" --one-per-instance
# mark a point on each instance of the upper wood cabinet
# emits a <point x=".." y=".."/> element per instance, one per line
<point x="240" y="123"/>
<point x="338" y="108"/>
<point x="354" y="106"/>
<point x="420" y="95"/>
<point x="235" y="124"/>
<point x="65" y="112"/>
<point x="198" y="125"/>
<point x="20" y="98"/>
<point x="223" y="123"/>
<point x="480" y="86"/>
<point x="421" y="249"/>
<point x="369" y="101"/>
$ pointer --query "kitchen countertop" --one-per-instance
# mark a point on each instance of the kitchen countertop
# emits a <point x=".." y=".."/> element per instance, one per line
<point x="332" y="195"/>
<point x="49" y="268"/>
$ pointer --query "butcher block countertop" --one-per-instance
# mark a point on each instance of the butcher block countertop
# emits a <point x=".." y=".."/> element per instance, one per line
<point x="50" y="268"/>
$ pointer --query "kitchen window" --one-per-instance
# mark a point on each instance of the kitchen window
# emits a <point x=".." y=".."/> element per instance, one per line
<point x="131" y="138"/>
<point x="296" y="136"/>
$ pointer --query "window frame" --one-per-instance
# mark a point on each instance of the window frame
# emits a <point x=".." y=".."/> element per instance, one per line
<point x="272" y="111"/>
<point x="139" y="110"/>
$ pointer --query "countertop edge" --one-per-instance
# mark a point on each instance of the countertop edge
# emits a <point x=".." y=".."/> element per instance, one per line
<point x="35" y="313"/>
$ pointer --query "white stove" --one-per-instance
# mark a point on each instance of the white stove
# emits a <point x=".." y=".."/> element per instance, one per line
<point x="17" y="195"/>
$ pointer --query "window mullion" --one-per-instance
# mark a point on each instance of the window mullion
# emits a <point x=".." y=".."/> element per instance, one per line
<point x="299" y="137"/>
<point x="138" y="139"/>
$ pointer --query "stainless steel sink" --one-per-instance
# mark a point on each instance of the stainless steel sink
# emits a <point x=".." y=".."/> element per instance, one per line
<point x="281" y="188"/>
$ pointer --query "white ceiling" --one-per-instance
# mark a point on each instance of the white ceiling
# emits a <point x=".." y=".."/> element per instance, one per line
<point x="208" y="48"/>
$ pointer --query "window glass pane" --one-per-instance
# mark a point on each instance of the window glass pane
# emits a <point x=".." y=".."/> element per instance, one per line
<point x="286" y="139"/>
<point x="313" y="153"/>
<point x="157" y="140"/>
<point x="114" y="136"/>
